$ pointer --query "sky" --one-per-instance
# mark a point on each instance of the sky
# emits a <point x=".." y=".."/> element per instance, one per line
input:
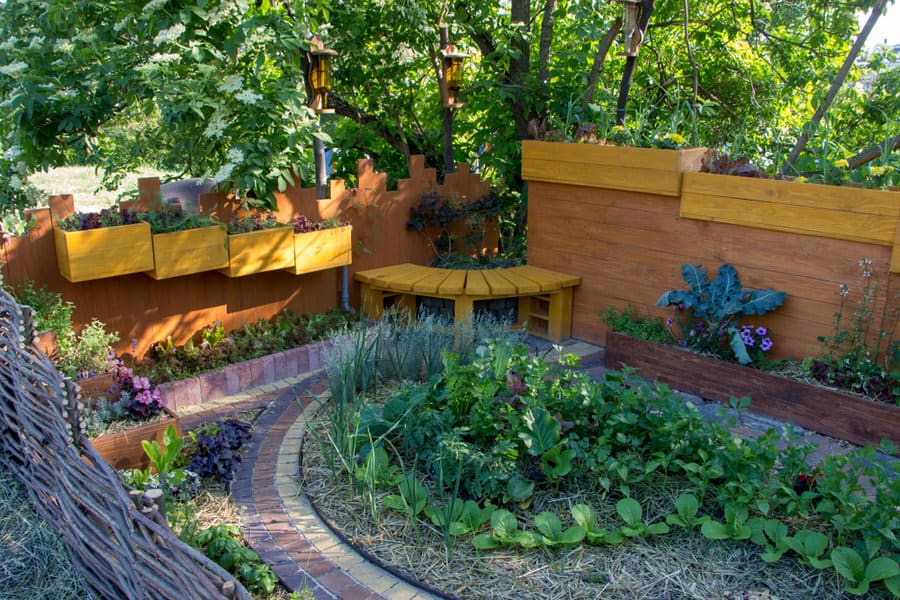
<point x="888" y="26"/>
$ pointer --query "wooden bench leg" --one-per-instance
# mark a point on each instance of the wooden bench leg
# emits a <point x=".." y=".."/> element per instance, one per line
<point x="560" y="324"/>
<point x="371" y="301"/>
<point x="464" y="306"/>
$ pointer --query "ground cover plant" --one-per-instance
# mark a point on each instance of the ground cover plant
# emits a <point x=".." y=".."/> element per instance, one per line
<point x="497" y="462"/>
<point x="214" y="347"/>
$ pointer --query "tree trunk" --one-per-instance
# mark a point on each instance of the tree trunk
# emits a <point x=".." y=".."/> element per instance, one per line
<point x="833" y="90"/>
<point x="628" y="71"/>
<point x="520" y="13"/>
<point x="600" y="58"/>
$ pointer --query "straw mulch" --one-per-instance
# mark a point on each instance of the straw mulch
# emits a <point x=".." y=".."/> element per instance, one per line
<point x="673" y="566"/>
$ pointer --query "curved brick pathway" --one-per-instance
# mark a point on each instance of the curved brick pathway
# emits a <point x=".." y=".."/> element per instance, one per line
<point x="280" y="524"/>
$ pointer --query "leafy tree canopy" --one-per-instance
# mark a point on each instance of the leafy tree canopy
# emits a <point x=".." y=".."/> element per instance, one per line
<point x="217" y="88"/>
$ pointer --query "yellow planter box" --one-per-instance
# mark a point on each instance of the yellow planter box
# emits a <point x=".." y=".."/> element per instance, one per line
<point x="648" y="170"/>
<point x="104" y="252"/>
<point x="260" y="251"/>
<point x="323" y="249"/>
<point x="189" y="251"/>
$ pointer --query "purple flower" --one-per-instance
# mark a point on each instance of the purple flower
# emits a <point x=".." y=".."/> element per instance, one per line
<point x="668" y="322"/>
<point x="682" y="343"/>
<point x="761" y="331"/>
<point x="749" y="342"/>
<point x="766" y="344"/>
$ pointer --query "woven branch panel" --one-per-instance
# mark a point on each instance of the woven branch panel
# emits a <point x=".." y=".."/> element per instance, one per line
<point x="120" y="548"/>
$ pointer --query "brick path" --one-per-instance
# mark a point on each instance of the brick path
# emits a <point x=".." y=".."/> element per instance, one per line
<point x="282" y="527"/>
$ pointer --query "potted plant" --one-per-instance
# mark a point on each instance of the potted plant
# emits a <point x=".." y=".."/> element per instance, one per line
<point x="320" y="245"/>
<point x="185" y="243"/>
<point x="106" y="244"/>
<point x="257" y="244"/>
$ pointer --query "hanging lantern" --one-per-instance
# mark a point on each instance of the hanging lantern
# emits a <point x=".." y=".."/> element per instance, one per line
<point x="453" y="75"/>
<point x="631" y="31"/>
<point x="320" y="75"/>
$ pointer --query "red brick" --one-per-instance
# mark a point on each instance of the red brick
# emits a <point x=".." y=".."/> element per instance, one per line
<point x="233" y="379"/>
<point x="166" y="395"/>
<point x="213" y="386"/>
<point x="303" y="360"/>
<point x="245" y="374"/>
<point x="279" y="359"/>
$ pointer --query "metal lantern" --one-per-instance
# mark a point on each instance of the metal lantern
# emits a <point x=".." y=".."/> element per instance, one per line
<point x="631" y="31"/>
<point x="453" y="75"/>
<point x="320" y="75"/>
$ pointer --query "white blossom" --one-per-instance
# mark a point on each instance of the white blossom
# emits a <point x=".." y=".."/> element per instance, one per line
<point x="12" y="153"/>
<point x="215" y="127"/>
<point x="153" y="5"/>
<point x="66" y="93"/>
<point x="9" y="44"/>
<point x="404" y="54"/>
<point x="63" y="46"/>
<point x="164" y="58"/>
<point x="235" y="155"/>
<point x="119" y="26"/>
<point x="232" y="83"/>
<point x="172" y="33"/>
<point x="36" y="42"/>
<point x="13" y="68"/>
<point x="248" y="97"/>
<point x="15" y="182"/>
<point x="224" y="172"/>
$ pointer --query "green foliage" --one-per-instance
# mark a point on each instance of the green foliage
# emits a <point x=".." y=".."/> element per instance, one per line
<point x="719" y="305"/>
<point x="505" y="532"/>
<point x="222" y="544"/>
<point x="87" y="353"/>
<point x="552" y="533"/>
<point x="584" y="516"/>
<point x="632" y="513"/>
<point x="412" y="498"/>
<point x="163" y="457"/>
<point x="51" y="312"/>
<point x="628" y="322"/>
<point x="861" y="354"/>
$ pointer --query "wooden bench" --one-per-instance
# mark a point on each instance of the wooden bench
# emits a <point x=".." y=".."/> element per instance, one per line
<point x="545" y="297"/>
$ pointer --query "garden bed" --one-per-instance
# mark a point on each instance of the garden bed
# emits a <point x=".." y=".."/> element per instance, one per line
<point x="825" y="411"/>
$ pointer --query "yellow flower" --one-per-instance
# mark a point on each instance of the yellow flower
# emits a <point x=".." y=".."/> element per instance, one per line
<point x="842" y="163"/>
<point x="801" y="179"/>
<point x="617" y="129"/>
<point x="877" y="170"/>
<point x="675" y="138"/>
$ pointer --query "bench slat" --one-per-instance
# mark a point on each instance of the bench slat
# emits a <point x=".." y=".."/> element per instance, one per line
<point x="401" y="280"/>
<point x="522" y="283"/>
<point x="370" y="275"/>
<point x="549" y="278"/>
<point x="431" y="282"/>
<point x="500" y="285"/>
<point x="476" y="284"/>
<point x="455" y="284"/>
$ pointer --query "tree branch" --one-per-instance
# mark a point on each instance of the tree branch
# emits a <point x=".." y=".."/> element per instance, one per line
<point x="835" y="86"/>
<point x="870" y="154"/>
<point x="599" y="59"/>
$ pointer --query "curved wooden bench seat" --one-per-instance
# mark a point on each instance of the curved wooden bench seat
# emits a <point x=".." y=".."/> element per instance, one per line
<point x="545" y="297"/>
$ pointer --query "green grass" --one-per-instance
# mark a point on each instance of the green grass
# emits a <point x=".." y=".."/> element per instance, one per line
<point x="85" y="184"/>
<point x="33" y="560"/>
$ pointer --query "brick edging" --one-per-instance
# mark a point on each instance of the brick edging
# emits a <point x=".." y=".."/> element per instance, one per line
<point x="265" y="523"/>
<point x="238" y="377"/>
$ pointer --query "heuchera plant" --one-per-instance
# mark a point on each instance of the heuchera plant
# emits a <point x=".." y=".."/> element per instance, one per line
<point x="138" y="396"/>
<point x="717" y="306"/>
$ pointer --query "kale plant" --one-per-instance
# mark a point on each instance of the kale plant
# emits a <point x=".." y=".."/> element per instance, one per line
<point x="716" y="307"/>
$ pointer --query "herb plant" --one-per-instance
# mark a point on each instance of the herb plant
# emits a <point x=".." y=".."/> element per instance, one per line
<point x="219" y="449"/>
<point x="108" y="217"/>
<point x="303" y="224"/>
<point x="254" y="222"/>
<point x="87" y="353"/>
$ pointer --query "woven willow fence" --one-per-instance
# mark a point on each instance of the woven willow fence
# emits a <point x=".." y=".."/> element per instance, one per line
<point x="122" y="549"/>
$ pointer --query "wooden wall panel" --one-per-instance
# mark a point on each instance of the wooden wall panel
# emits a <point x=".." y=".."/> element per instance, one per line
<point x="147" y="310"/>
<point x="627" y="247"/>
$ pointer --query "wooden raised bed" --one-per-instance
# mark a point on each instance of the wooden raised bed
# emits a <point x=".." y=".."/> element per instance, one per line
<point x="260" y="251"/>
<point x="189" y="251"/>
<point x="323" y="249"/>
<point x="123" y="449"/>
<point x="104" y="252"/>
<point x="649" y="170"/>
<point x="825" y="411"/>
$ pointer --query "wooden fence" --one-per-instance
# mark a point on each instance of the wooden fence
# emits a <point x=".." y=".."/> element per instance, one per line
<point x="146" y="310"/>
<point x="627" y="246"/>
<point x="122" y="549"/>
